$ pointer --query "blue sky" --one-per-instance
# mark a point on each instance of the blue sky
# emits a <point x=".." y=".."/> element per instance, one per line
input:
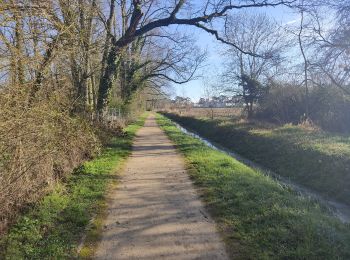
<point x="194" y="89"/>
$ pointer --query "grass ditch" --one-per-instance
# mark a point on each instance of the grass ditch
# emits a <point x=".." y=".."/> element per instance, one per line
<point x="258" y="217"/>
<point x="53" y="228"/>
<point x="314" y="159"/>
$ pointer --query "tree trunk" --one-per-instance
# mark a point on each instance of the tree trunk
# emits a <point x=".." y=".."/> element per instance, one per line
<point x="305" y="65"/>
<point x="19" y="49"/>
<point x="107" y="79"/>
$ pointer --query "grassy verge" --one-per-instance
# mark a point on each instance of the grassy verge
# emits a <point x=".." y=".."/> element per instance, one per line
<point x="314" y="159"/>
<point x="53" y="228"/>
<point x="259" y="218"/>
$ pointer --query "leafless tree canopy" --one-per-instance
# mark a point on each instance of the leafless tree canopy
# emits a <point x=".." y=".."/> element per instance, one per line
<point x="255" y="33"/>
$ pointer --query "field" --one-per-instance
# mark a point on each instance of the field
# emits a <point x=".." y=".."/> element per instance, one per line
<point x="307" y="156"/>
<point x="259" y="218"/>
<point x="233" y="112"/>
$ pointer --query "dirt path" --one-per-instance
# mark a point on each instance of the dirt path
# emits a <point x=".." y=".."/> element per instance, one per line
<point x="155" y="213"/>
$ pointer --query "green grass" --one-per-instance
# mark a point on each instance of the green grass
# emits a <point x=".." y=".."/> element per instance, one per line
<point x="53" y="228"/>
<point x="315" y="159"/>
<point x="258" y="217"/>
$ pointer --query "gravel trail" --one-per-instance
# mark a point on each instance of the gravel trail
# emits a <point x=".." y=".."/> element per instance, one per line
<point x="155" y="212"/>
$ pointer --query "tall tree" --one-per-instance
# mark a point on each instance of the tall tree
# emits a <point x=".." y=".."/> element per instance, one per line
<point x="245" y="74"/>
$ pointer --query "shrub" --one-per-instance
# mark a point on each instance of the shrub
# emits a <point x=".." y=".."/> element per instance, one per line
<point x="282" y="104"/>
<point x="329" y="107"/>
<point x="39" y="144"/>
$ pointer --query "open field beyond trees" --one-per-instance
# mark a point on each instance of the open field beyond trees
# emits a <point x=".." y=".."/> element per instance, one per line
<point x="227" y="112"/>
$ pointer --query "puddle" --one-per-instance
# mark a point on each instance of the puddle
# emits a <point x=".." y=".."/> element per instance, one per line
<point x="340" y="210"/>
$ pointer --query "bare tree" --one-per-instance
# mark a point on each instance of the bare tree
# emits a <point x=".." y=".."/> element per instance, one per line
<point x="305" y="59"/>
<point x="332" y="46"/>
<point x="245" y="74"/>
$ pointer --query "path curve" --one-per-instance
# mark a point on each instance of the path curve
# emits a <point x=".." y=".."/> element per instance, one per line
<point x="155" y="212"/>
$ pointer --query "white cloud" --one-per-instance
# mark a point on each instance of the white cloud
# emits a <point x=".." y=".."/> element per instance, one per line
<point x="292" y="21"/>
